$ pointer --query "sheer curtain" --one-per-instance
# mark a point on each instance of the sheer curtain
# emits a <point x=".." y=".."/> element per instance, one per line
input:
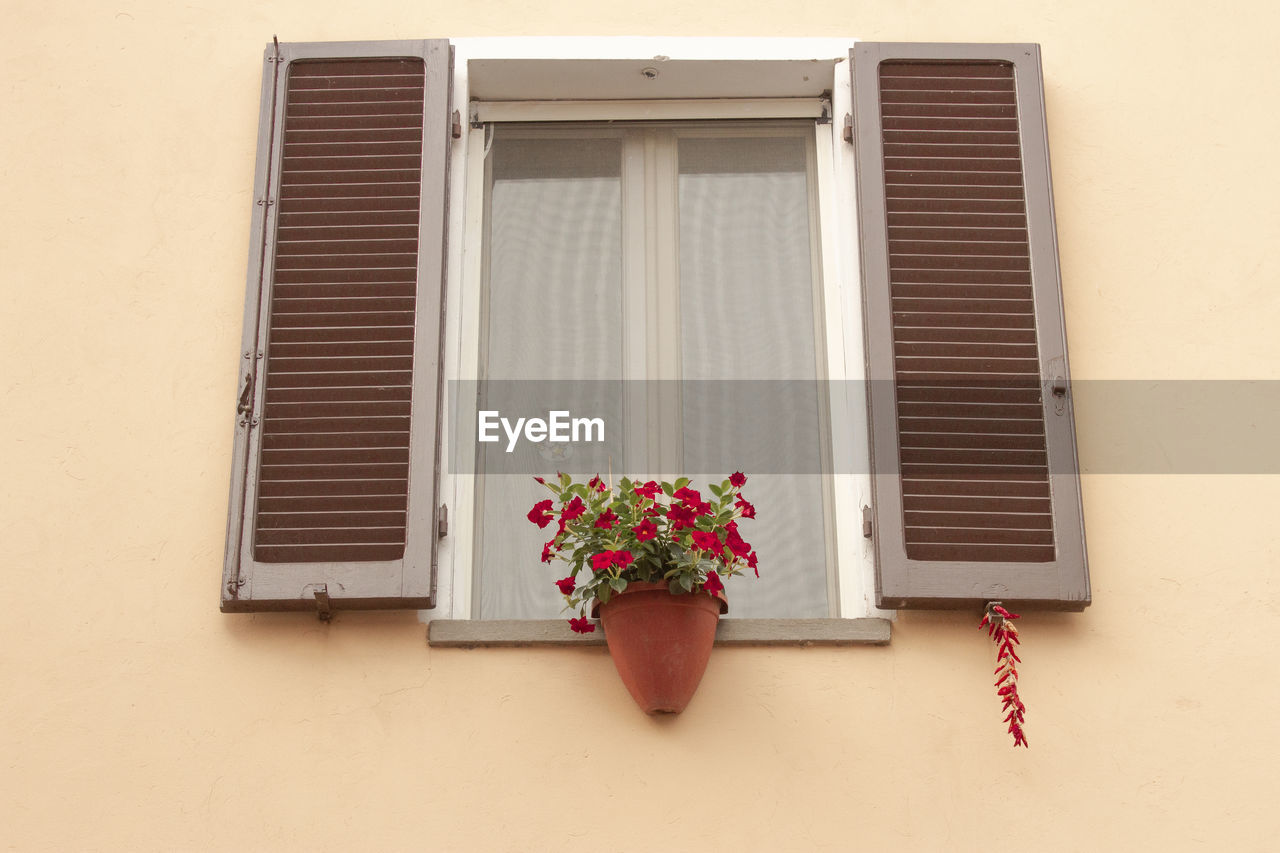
<point x="747" y="313"/>
<point x="554" y="309"/>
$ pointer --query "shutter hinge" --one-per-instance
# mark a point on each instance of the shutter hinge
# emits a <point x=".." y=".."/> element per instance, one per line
<point x="442" y="521"/>
<point x="324" y="612"/>
<point x="456" y="128"/>
<point x="848" y="128"/>
<point x="866" y="522"/>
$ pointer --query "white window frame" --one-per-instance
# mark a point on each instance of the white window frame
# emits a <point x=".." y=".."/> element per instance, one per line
<point x="732" y="78"/>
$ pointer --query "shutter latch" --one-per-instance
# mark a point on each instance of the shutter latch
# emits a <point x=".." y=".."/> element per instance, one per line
<point x="866" y="521"/>
<point x="442" y="521"/>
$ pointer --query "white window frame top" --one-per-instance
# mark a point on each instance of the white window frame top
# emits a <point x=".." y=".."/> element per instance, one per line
<point x="580" y="79"/>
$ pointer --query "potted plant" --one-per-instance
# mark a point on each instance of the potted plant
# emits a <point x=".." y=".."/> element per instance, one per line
<point x="650" y="559"/>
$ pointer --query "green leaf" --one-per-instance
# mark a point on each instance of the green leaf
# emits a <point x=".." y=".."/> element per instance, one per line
<point x="675" y="587"/>
<point x="686" y="583"/>
<point x="681" y="483"/>
<point x="668" y="488"/>
<point x="626" y="484"/>
<point x="603" y="593"/>
<point x="716" y="490"/>
<point x="618" y="584"/>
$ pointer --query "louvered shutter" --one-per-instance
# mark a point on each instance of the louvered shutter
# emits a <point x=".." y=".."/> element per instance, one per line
<point x="976" y="487"/>
<point x="337" y="442"/>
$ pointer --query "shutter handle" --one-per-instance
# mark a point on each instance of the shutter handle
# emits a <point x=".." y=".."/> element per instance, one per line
<point x="246" y="396"/>
<point x="1059" y="389"/>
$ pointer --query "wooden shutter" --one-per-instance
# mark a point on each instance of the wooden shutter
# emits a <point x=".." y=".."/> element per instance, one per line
<point x="976" y="486"/>
<point x="337" y="442"/>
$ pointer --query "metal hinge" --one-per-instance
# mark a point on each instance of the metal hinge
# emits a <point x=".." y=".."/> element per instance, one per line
<point x="866" y="521"/>
<point x="848" y="128"/>
<point x="456" y="128"/>
<point x="442" y="521"/>
<point x="825" y="118"/>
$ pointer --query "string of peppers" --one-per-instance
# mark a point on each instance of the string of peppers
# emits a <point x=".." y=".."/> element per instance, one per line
<point x="999" y="624"/>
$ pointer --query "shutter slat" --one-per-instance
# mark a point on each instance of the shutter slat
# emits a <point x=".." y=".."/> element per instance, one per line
<point x="323" y="553"/>
<point x="344" y="94"/>
<point x="396" y="455"/>
<point x="334" y="467"/>
<point x="333" y="503"/>
<point x="294" y="494"/>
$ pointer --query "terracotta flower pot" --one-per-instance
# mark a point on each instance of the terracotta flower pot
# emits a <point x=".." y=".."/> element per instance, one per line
<point x="661" y="642"/>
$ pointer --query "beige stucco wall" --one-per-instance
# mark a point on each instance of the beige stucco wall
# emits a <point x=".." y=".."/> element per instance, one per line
<point x="135" y="716"/>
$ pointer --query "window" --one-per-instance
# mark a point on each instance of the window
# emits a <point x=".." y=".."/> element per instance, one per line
<point x="620" y="206"/>
<point x="659" y="251"/>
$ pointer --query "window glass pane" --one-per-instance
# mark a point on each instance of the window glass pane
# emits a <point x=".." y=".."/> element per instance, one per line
<point x="554" y="306"/>
<point x="747" y="313"/>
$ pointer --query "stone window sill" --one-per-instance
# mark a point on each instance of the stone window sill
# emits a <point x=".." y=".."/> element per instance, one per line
<point x="498" y="633"/>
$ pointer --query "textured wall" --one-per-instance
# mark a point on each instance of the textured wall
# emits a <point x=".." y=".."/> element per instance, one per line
<point x="135" y="716"/>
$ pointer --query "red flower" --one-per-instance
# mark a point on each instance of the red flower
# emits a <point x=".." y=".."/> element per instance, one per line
<point x="581" y="625"/>
<point x="606" y="520"/>
<point x="649" y="490"/>
<point x="546" y="552"/>
<point x="680" y="517"/>
<point x="693" y="500"/>
<point x="706" y="540"/>
<point x="645" y="530"/>
<point x="574" y="509"/>
<point x="540" y="480"/>
<point x="748" y="511"/>
<point x="751" y="562"/>
<point x="688" y="495"/>
<point x="597" y="484"/>
<point x="700" y="508"/>
<point x="712" y="584"/>
<point x="566" y="585"/>
<point x="735" y="543"/>
<point x="737" y="479"/>
<point x="541" y="513"/>
<point x="605" y="559"/>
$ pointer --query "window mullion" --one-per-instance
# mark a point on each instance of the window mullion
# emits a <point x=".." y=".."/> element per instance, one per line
<point x="636" y="323"/>
<point x="664" y="250"/>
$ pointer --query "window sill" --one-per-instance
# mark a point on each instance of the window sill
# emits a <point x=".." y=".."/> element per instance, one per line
<point x="499" y="633"/>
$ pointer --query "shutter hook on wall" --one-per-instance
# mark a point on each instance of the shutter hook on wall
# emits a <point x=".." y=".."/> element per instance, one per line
<point x="324" y="612"/>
